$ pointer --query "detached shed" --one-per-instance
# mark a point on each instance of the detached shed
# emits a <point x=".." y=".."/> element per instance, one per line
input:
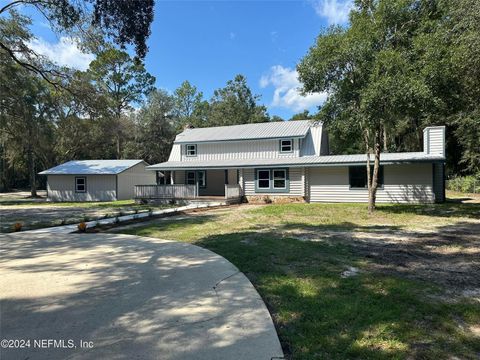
<point x="97" y="180"/>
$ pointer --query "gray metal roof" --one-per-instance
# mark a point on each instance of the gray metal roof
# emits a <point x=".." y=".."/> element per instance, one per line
<point x="268" y="130"/>
<point x="91" y="167"/>
<point x="329" y="160"/>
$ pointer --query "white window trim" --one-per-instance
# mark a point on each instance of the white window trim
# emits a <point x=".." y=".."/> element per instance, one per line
<point x="187" y="151"/>
<point x="258" y="179"/>
<point x="291" y="146"/>
<point x="204" y="185"/>
<point x="284" y="178"/>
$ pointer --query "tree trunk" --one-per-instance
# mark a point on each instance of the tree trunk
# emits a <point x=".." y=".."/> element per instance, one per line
<point x="118" y="145"/>
<point x="385" y="140"/>
<point x="5" y="182"/>
<point x="31" y="170"/>
<point x="372" y="179"/>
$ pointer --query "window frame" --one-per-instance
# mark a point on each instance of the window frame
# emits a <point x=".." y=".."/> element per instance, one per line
<point x="196" y="178"/>
<point x="187" y="150"/>
<point x="281" y="146"/>
<point x="284" y="179"/>
<point x="204" y="185"/>
<point x="84" y="184"/>
<point x="381" y="176"/>
<point x="271" y="188"/>
<point x="257" y="182"/>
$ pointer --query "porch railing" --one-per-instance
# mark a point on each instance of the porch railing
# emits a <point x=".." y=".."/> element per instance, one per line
<point x="177" y="191"/>
<point x="233" y="191"/>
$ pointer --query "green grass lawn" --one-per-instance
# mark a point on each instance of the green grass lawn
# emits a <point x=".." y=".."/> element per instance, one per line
<point x="318" y="313"/>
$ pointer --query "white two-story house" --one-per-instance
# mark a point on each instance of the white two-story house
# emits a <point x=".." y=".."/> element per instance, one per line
<point x="290" y="160"/>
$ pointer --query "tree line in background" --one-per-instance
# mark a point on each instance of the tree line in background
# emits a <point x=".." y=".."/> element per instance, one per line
<point x="110" y="111"/>
<point x="400" y="66"/>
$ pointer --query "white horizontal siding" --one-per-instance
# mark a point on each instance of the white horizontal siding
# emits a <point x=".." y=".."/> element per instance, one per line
<point x="297" y="183"/>
<point x="99" y="188"/>
<point x="136" y="175"/>
<point x="434" y="140"/>
<point x="231" y="150"/>
<point x="402" y="184"/>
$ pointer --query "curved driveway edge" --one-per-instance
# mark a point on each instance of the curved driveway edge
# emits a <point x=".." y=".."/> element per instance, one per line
<point x="132" y="297"/>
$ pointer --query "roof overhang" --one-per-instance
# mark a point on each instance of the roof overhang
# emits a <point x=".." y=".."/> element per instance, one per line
<point x="307" y="161"/>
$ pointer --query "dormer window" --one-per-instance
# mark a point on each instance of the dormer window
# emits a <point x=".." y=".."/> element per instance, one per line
<point x="286" y="146"/>
<point x="191" y="150"/>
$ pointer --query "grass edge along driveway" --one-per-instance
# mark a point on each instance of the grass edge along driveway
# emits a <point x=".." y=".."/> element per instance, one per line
<point x="381" y="313"/>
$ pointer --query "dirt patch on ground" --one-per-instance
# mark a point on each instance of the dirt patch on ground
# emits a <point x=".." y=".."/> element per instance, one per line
<point x="449" y="256"/>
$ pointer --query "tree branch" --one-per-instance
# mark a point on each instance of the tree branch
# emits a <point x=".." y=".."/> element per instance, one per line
<point x="30" y="67"/>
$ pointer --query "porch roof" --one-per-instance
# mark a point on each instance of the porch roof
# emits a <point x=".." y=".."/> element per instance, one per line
<point x="308" y="161"/>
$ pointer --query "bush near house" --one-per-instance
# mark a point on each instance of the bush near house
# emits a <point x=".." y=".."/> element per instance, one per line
<point x="466" y="184"/>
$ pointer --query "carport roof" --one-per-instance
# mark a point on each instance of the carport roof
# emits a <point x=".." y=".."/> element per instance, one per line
<point x="91" y="167"/>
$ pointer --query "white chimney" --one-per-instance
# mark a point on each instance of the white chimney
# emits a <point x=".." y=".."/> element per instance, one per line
<point x="434" y="140"/>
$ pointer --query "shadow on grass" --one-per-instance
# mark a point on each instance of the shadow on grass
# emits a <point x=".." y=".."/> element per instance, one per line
<point x="447" y="209"/>
<point x="319" y="314"/>
<point x="344" y="225"/>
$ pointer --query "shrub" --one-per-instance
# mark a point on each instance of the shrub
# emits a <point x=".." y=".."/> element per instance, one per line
<point x="466" y="184"/>
<point x="86" y="218"/>
<point x="82" y="227"/>
<point x="63" y="222"/>
<point x="17" y="227"/>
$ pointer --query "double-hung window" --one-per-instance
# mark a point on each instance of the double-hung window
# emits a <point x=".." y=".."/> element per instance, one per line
<point x="279" y="179"/>
<point x="80" y="184"/>
<point x="286" y="146"/>
<point x="271" y="180"/>
<point x="263" y="179"/>
<point x="191" y="149"/>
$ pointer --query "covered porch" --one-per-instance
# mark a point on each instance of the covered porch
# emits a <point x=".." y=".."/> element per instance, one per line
<point x="192" y="186"/>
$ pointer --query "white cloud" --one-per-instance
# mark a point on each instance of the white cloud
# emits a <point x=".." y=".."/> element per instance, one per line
<point x="274" y="35"/>
<point x="335" y="11"/>
<point x="64" y="53"/>
<point x="287" y="90"/>
<point x="233" y="36"/>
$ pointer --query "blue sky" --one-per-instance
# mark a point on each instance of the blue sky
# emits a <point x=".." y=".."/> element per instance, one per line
<point x="209" y="42"/>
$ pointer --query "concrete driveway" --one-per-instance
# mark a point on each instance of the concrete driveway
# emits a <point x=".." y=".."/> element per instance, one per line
<point x="113" y="296"/>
